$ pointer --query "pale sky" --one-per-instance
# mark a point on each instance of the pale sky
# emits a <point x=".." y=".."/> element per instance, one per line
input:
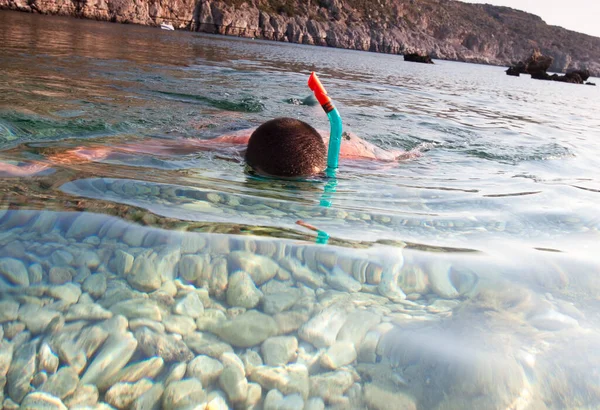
<point x="582" y="16"/>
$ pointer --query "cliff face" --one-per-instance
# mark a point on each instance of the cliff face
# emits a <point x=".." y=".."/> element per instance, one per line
<point x="445" y="29"/>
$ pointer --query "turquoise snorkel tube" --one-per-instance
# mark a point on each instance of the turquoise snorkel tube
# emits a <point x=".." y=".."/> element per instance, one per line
<point x="335" y="122"/>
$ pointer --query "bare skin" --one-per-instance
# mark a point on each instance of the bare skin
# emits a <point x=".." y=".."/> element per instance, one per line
<point x="352" y="147"/>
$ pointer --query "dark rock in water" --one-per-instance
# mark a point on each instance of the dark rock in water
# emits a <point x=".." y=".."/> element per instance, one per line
<point x="538" y="63"/>
<point x="584" y="74"/>
<point x="417" y="58"/>
<point x="572" y="78"/>
<point x="513" y="71"/>
<point x="517" y="69"/>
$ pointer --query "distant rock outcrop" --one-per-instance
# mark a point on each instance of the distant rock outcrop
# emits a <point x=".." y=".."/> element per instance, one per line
<point x="537" y="66"/>
<point x="448" y="30"/>
<point x="417" y="58"/>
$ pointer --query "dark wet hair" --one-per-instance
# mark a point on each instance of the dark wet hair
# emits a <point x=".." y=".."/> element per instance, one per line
<point x="286" y="147"/>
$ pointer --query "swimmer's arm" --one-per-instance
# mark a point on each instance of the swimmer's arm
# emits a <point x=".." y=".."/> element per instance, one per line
<point x="237" y="141"/>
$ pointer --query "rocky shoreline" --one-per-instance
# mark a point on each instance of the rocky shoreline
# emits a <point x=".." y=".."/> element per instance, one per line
<point x="99" y="313"/>
<point x="448" y="31"/>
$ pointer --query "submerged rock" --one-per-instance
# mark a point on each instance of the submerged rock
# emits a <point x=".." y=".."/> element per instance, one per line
<point x="112" y="357"/>
<point x="41" y="400"/>
<point x="14" y="271"/>
<point x="170" y="348"/>
<point x="183" y="394"/>
<point x="122" y="395"/>
<point x="21" y="371"/>
<point x="242" y="291"/>
<point x="247" y="330"/>
<point x="205" y="369"/>
<point x="260" y="268"/>
<point x="279" y="350"/>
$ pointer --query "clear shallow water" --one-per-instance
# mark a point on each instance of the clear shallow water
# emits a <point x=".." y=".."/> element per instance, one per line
<point x="464" y="278"/>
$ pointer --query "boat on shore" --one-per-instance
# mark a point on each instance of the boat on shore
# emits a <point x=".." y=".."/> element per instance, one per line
<point x="167" y="26"/>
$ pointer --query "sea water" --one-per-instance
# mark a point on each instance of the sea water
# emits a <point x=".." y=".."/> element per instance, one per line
<point x="463" y="278"/>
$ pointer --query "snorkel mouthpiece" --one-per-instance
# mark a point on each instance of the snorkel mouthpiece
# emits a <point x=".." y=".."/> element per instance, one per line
<point x="335" y="122"/>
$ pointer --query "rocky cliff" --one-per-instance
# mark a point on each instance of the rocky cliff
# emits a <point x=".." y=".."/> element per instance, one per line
<point x="444" y="29"/>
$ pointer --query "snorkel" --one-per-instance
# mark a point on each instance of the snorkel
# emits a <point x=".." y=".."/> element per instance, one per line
<point x="335" y="122"/>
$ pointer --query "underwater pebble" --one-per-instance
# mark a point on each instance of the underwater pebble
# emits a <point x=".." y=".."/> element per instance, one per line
<point x="62" y="383"/>
<point x="303" y="274"/>
<point x="260" y="268"/>
<point x="288" y="322"/>
<point x="36" y="318"/>
<point x="61" y="258"/>
<point x="144" y="276"/>
<point x="36" y="273"/>
<point x="289" y="379"/>
<point x="183" y="394"/>
<point x="145" y="369"/>
<point x="47" y="360"/>
<point x="170" y="348"/>
<point x="337" y="355"/>
<point x="191" y="267"/>
<point x="279" y="350"/>
<point x="150" y="399"/>
<point x="206" y="344"/>
<point x="14" y="271"/>
<point x="279" y="301"/>
<point x="135" y="324"/>
<point x="123" y="262"/>
<point x="367" y="352"/>
<point x="42" y="401"/>
<point x="181" y="325"/>
<point x="314" y="403"/>
<point x="137" y="308"/>
<point x="233" y="380"/>
<point x="175" y="372"/>
<point x="8" y="310"/>
<point x="112" y="357"/>
<point x="84" y="395"/>
<point x="21" y="371"/>
<point x="322" y="329"/>
<point x="95" y="285"/>
<point x="68" y="293"/>
<point x="331" y="385"/>
<point x="247" y="329"/>
<point x="251" y="359"/>
<point x="60" y="275"/>
<point x="341" y="281"/>
<point x="357" y="325"/>
<point x="273" y="400"/>
<point x="189" y="305"/>
<point x="87" y="312"/>
<point x="204" y="368"/>
<point x="242" y="291"/>
<point x="121" y="395"/>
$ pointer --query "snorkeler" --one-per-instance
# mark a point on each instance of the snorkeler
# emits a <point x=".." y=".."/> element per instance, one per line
<point x="281" y="147"/>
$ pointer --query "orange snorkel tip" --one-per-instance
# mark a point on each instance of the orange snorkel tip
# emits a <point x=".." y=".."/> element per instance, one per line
<point x="318" y="90"/>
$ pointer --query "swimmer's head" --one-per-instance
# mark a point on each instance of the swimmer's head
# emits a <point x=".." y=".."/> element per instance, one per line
<point x="285" y="147"/>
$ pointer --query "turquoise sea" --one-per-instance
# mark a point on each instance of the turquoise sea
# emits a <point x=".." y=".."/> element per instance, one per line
<point x="465" y="278"/>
